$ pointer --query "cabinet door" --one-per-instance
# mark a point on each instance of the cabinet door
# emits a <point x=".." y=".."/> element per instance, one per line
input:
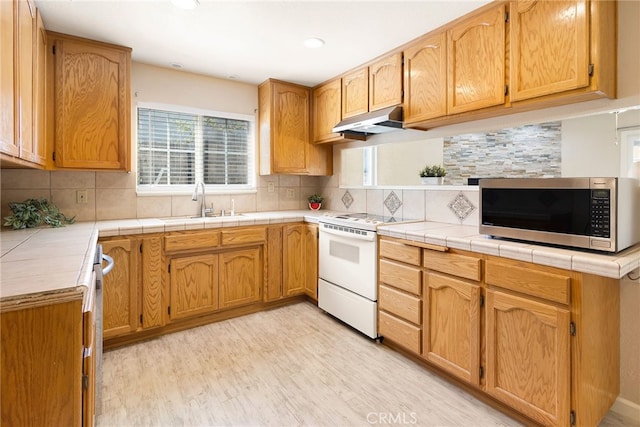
<point x="425" y="79"/>
<point x="293" y="271"/>
<point x="528" y="365"/>
<point x="549" y="47"/>
<point x="26" y="24"/>
<point x="327" y="111"/>
<point x="152" y="283"/>
<point x="290" y="131"/>
<point x="476" y="62"/>
<point x="451" y="327"/>
<point x="39" y="153"/>
<point x="89" y="366"/>
<point x="385" y="82"/>
<point x="273" y="264"/>
<point x="240" y="277"/>
<point x="92" y="108"/>
<point x="194" y="285"/>
<point x="355" y="93"/>
<point x="121" y="314"/>
<point x="8" y="141"/>
<point x="311" y="260"/>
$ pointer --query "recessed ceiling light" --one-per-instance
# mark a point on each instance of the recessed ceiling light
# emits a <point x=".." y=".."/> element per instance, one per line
<point x="186" y="4"/>
<point x="313" y="43"/>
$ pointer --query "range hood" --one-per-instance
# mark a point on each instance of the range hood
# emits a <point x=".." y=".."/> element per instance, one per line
<point x="380" y="121"/>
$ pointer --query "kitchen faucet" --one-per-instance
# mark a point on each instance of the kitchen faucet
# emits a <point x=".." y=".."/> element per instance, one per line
<point x="203" y="206"/>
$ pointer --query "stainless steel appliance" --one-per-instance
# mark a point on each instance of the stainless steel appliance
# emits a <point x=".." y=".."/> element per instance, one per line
<point x="348" y="268"/>
<point x="100" y="272"/>
<point x="592" y="213"/>
<point x="380" y="121"/>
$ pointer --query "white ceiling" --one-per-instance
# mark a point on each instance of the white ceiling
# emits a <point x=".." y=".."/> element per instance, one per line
<point x="251" y="41"/>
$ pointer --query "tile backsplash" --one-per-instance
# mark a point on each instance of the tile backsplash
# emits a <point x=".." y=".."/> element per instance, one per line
<point x="526" y="151"/>
<point x="112" y="195"/>
<point x="449" y="204"/>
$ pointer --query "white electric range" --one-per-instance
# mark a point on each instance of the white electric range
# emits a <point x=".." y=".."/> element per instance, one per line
<point x="348" y="268"/>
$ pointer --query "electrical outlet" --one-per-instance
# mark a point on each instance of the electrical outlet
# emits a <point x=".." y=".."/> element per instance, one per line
<point x="291" y="193"/>
<point x="271" y="187"/>
<point x="81" y="196"/>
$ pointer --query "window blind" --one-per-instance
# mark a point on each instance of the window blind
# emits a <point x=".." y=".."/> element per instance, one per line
<point x="178" y="148"/>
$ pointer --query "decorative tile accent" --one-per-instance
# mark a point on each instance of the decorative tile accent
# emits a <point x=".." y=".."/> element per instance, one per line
<point x="461" y="206"/>
<point x="347" y="199"/>
<point x="392" y="202"/>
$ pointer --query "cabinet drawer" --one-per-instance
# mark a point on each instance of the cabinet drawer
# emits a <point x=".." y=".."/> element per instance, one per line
<point x="401" y="276"/>
<point x="548" y="284"/>
<point x="464" y="266"/>
<point x="239" y="237"/>
<point x="399" y="331"/>
<point x="191" y="241"/>
<point x="400" y="252"/>
<point x="402" y="305"/>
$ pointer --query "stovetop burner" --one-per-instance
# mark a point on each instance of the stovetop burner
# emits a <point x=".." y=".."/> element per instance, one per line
<point x="362" y="220"/>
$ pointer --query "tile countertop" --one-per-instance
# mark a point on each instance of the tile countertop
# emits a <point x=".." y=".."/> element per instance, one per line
<point x="44" y="262"/>
<point x="467" y="238"/>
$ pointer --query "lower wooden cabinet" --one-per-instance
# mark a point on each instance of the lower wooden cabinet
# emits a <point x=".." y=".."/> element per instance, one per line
<point x="293" y="268"/>
<point x="121" y="313"/>
<point x="89" y="366"/>
<point x="528" y="363"/>
<point x="311" y="260"/>
<point x="194" y="285"/>
<point x="41" y="354"/>
<point x="451" y="329"/>
<point x="240" y="277"/>
<point x="544" y="341"/>
<point x="400" y="295"/>
<point x="291" y="261"/>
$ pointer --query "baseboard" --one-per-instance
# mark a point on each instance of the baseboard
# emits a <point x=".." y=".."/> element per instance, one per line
<point x="627" y="409"/>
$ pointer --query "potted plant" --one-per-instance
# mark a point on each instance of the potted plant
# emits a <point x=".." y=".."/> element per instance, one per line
<point x="315" y="201"/>
<point x="433" y="175"/>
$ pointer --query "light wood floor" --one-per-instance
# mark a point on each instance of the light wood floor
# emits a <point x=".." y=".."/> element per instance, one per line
<point x="284" y="367"/>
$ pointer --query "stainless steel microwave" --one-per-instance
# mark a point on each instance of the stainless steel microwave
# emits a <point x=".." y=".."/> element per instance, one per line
<point x="601" y="214"/>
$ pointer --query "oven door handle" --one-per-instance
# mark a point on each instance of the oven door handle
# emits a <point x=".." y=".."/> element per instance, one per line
<point x="369" y="236"/>
<point x="109" y="266"/>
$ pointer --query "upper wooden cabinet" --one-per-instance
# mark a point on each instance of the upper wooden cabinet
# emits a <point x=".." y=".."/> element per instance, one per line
<point x="370" y="88"/>
<point x="385" y="82"/>
<point x="25" y="74"/>
<point x="22" y="84"/>
<point x="8" y="141"/>
<point x="92" y="107"/>
<point x="476" y="62"/>
<point x="38" y="153"/>
<point x="285" y="147"/>
<point x="326" y="111"/>
<point x="425" y="78"/>
<point x="355" y="92"/>
<point x="549" y="47"/>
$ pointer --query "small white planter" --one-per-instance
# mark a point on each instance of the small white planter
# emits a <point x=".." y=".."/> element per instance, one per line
<point x="432" y="180"/>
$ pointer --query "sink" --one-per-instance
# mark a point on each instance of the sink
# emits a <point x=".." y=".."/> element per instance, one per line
<point x="195" y="217"/>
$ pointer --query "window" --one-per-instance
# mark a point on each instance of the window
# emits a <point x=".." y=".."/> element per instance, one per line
<point x="178" y="148"/>
<point x="630" y="152"/>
